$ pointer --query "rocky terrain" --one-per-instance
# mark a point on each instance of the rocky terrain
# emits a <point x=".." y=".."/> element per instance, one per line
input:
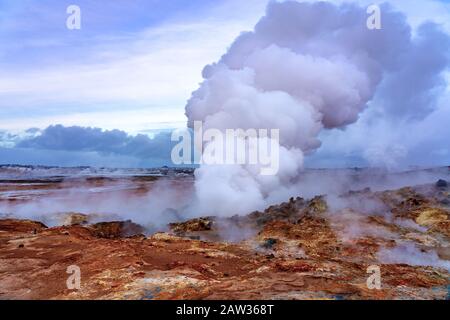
<point x="318" y="248"/>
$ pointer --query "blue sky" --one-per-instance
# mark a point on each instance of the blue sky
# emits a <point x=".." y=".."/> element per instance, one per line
<point x="131" y="67"/>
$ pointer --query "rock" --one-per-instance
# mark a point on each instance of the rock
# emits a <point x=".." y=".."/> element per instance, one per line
<point x="194" y="225"/>
<point x="164" y="237"/>
<point x="116" y="229"/>
<point x="269" y="243"/>
<point x="21" y="226"/>
<point x="286" y="211"/>
<point x="444" y="253"/>
<point x="317" y="205"/>
<point x="431" y="216"/>
<point x="441" y="184"/>
<point x="413" y="202"/>
<point x="424" y="239"/>
<point x="70" y="219"/>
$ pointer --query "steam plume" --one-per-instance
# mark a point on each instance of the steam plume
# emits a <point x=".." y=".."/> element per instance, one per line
<point x="303" y="69"/>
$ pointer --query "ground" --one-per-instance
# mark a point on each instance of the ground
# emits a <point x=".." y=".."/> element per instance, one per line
<point x="300" y="249"/>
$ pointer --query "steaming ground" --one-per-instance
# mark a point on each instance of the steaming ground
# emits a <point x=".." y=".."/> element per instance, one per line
<point x="154" y="199"/>
<point x="318" y="246"/>
<point x="148" y="198"/>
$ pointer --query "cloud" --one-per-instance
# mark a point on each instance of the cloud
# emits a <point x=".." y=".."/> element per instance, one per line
<point x="151" y="63"/>
<point x="88" y="139"/>
<point x="58" y="158"/>
<point x="85" y="146"/>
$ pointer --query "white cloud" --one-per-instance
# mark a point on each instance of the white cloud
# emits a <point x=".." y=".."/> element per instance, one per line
<point x="132" y="121"/>
<point x="156" y="69"/>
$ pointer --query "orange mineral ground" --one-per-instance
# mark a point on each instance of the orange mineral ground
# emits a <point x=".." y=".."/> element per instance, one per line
<point x="318" y="248"/>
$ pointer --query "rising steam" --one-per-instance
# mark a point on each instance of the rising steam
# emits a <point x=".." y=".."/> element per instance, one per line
<point x="303" y="69"/>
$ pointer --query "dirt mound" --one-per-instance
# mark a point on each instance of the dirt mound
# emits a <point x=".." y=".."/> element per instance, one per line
<point x="21" y="226"/>
<point x="199" y="224"/>
<point x="116" y="229"/>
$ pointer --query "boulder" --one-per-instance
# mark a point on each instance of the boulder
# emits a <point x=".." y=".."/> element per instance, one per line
<point x="441" y="184"/>
<point x="193" y="225"/>
<point x="116" y="229"/>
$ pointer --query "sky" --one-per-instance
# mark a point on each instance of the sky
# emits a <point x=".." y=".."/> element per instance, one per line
<point x="133" y="65"/>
